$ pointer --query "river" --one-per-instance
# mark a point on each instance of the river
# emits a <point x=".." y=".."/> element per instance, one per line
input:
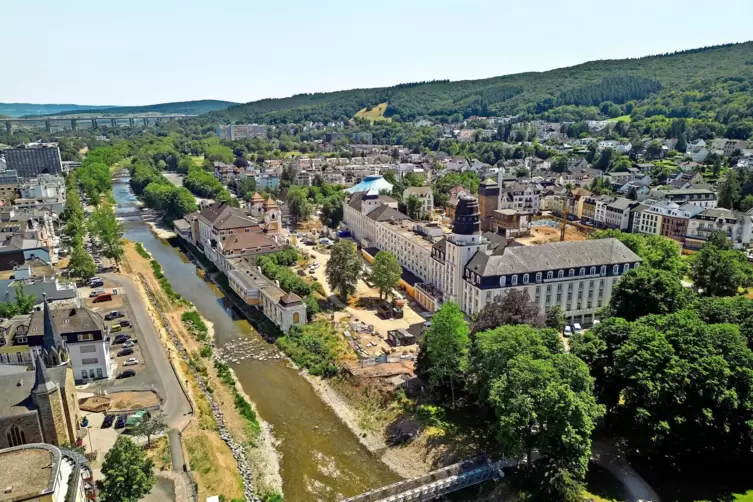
<point x="320" y="457"/>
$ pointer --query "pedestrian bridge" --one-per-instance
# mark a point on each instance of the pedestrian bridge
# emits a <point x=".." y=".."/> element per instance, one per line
<point x="437" y="483"/>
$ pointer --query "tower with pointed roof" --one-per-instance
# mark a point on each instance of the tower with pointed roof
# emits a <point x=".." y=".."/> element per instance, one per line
<point x="272" y="216"/>
<point x="49" y="403"/>
<point x="54" y="351"/>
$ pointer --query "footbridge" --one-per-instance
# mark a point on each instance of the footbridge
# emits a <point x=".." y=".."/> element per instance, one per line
<point x="440" y="482"/>
<point x="95" y="121"/>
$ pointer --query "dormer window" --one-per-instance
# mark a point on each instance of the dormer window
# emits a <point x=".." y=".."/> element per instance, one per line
<point x="550" y="275"/>
<point x="625" y="268"/>
<point x="525" y="278"/>
<point x="538" y="277"/>
<point x="616" y="270"/>
<point x="603" y="270"/>
<point x="593" y="271"/>
<point x="502" y="281"/>
<point x="571" y="273"/>
<point x="514" y="280"/>
<point x="582" y="271"/>
<point x="560" y="274"/>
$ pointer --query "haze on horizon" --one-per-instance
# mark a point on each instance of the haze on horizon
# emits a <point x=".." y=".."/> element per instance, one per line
<point x="104" y="53"/>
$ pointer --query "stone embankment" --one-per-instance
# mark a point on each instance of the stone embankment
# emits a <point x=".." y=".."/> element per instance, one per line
<point x="235" y="448"/>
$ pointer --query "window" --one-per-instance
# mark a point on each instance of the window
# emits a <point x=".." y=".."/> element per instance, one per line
<point x="15" y="436"/>
<point x="88" y="349"/>
<point x="626" y="268"/>
<point x="525" y="278"/>
<point x="592" y="271"/>
<point x="85" y="337"/>
<point x="84" y="374"/>
<point x="550" y="275"/>
<point x="616" y="270"/>
<point x="538" y="276"/>
<point x="603" y="270"/>
<point x="560" y="274"/>
<point x="21" y="339"/>
<point x="99" y="372"/>
<point x="296" y="317"/>
<point x="514" y="280"/>
<point x="538" y="289"/>
<point x="571" y="273"/>
<point x="502" y="281"/>
<point x="582" y="271"/>
<point x="91" y="360"/>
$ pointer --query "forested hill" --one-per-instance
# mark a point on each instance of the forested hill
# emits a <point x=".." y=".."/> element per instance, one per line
<point x="183" y="107"/>
<point x="24" y="109"/>
<point x="689" y="79"/>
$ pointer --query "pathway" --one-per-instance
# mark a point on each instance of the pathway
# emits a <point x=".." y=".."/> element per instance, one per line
<point x="607" y="456"/>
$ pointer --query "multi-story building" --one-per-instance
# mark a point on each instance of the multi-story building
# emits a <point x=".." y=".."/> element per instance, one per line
<point x="284" y="309"/>
<point x="737" y="225"/>
<point x="241" y="131"/>
<point x="521" y="196"/>
<point x="595" y="209"/>
<point x="617" y="213"/>
<point x="699" y="196"/>
<point x="304" y="178"/>
<point x="44" y="185"/>
<point x="8" y="185"/>
<point x="39" y="472"/>
<point x="425" y="195"/>
<point x="31" y="162"/>
<point x="665" y="218"/>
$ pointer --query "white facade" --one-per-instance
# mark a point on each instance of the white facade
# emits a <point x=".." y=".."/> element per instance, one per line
<point x="91" y="359"/>
<point x="45" y="185"/>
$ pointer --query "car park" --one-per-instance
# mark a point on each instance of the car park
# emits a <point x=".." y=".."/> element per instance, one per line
<point x="121" y="421"/>
<point x="108" y="420"/>
<point x="125" y="352"/>
<point x="126" y="374"/>
<point x="131" y="361"/>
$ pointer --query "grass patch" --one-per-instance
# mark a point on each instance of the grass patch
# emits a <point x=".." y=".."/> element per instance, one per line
<point x="174" y="297"/>
<point x="376" y="113"/>
<point x="315" y="346"/>
<point x="213" y="463"/>
<point x="198" y="160"/>
<point x="195" y="325"/>
<point x="244" y="408"/>
<point x="160" y="454"/>
<point x="142" y="252"/>
<point x="621" y="118"/>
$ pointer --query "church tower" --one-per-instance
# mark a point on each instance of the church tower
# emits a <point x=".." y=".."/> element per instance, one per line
<point x="50" y="407"/>
<point x="488" y="201"/>
<point x="272" y="216"/>
<point x="53" y="348"/>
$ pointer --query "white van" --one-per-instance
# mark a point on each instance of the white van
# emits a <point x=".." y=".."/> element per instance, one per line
<point x="577" y="329"/>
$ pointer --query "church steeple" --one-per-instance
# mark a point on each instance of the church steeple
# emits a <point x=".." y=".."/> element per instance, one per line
<point x="53" y="347"/>
<point x="42" y="382"/>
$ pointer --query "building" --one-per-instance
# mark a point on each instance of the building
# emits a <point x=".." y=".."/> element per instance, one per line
<point x="488" y="200"/>
<point x="43" y="186"/>
<point x="31" y="162"/>
<point x="617" y="213"/>
<point x="595" y="209"/>
<point x="510" y="223"/>
<point x="737" y="225"/>
<point x="39" y="406"/>
<point x="665" y="218"/>
<point x="699" y="196"/>
<point x="284" y="309"/>
<point x="37" y="472"/>
<point x="8" y="185"/>
<point x="521" y="196"/>
<point x="377" y="183"/>
<point x="425" y="195"/>
<point x="241" y="131"/>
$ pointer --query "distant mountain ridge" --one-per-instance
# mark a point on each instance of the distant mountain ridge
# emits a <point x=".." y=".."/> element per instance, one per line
<point x="183" y="107"/>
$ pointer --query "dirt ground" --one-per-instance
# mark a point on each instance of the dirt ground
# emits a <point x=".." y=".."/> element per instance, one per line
<point x="133" y="400"/>
<point x="545" y="235"/>
<point x="267" y="470"/>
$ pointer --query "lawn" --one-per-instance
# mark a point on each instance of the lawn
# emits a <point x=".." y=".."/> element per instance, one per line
<point x="376" y="113"/>
<point x="197" y="159"/>
<point x="624" y="118"/>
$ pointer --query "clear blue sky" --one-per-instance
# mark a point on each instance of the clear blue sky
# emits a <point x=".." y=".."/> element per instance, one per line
<point x="133" y="52"/>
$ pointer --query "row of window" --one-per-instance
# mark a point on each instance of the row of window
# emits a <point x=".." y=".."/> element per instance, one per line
<point x="526" y="278"/>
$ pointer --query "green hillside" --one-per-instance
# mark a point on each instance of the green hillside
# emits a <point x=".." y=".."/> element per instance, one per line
<point x="182" y="107"/>
<point x="699" y="82"/>
<point x="24" y="109"/>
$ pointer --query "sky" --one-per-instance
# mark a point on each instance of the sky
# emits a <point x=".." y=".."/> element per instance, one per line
<point x="138" y="52"/>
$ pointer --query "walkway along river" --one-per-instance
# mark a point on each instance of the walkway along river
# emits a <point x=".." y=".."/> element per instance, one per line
<point x="321" y="458"/>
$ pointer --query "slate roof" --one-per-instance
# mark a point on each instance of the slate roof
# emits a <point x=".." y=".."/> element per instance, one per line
<point x="15" y="390"/>
<point x="418" y="190"/>
<point x="554" y="256"/>
<point x="386" y="213"/>
<point x="67" y="320"/>
<point x="223" y="216"/>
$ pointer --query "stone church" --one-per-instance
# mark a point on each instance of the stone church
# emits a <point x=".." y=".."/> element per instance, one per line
<point x="40" y="406"/>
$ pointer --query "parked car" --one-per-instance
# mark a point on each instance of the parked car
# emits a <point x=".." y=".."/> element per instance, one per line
<point x="102" y="298"/>
<point x="115" y="314"/>
<point x="115" y="328"/>
<point x="122" y="338"/>
<point x="125" y="324"/>
<point x="577" y="329"/>
<point x="125" y="352"/>
<point x="128" y="344"/>
<point x="567" y="332"/>
<point x="107" y="422"/>
<point x="126" y="374"/>
<point x="136" y="418"/>
<point x="121" y="421"/>
<point x="96" y="292"/>
<point x="96" y="284"/>
<point x="131" y="361"/>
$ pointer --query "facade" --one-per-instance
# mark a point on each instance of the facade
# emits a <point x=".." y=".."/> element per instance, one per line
<point x="284" y="309"/>
<point x="595" y="209"/>
<point x="737" y="226"/>
<point x="488" y="200"/>
<point x="241" y="131"/>
<point x="31" y="162"/>
<point x="521" y="196"/>
<point x="617" y="213"/>
<point x="8" y="185"/>
<point x="425" y="195"/>
<point x="702" y="197"/>
<point x="43" y="186"/>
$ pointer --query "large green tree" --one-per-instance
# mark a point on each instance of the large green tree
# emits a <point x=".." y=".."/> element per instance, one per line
<point x="298" y="204"/>
<point x="344" y="268"/>
<point x="385" y="273"/>
<point x="446" y="344"/>
<point x="109" y="231"/>
<point x="645" y="291"/>
<point x="656" y="251"/>
<point x="127" y="473"/>
<point x="512" y="307"/>
<point x="718" y="269"/>
<point x="81" y="263"/>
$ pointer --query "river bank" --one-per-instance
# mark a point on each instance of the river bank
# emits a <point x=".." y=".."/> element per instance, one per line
<point x="205" y="441"/>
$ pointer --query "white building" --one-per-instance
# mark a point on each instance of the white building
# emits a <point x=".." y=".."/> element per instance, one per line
<point x="44" y="186"/>
<point x="738" y="227"/>
<point x="617" y="214"/>
<point x="521" y="196"/>
<point x="425" y="195"/>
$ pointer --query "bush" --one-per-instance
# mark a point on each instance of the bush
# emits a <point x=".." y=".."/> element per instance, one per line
<point x="313" y="346"/>
<point x="164" y="283"/>
<point x="142" y="252"/>
<point x="195" y="324"/>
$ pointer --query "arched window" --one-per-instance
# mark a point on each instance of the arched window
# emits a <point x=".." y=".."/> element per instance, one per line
<point x="296" y="317"/>
<point x="550" y="275"/>
<point x="582" y="271"/>
<point x="502" y="281"/>
<point x="538" y="277"/>
<point x="625" y="268"/>
<point x="478" y="279"/>
<point x="15" y="436"/>
<point x="571" y="273"/>
<point x="525" y="278"/>
<point x="560" y="274"/>
<point x="592" y="271"/>
<point x="603" y="270"/>
<point x="616" y="270"/>
<point x="636" y="265"/>
<point x="514" y="280"/>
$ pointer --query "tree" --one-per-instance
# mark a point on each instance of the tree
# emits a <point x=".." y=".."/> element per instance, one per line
<point x="645" y="291"/>
<point x="24" y="303"/>
<point x="81" y="264"/>
<point x="109" y="232"/>
<point x="729" y="192"/>
<point x="682" y="144"/>
<point x="298" y="204"/>
<point x="344" y="268"/>
<point x="413" y="206"/>
<point x="332" y="211"/>
<point x="555" y="318"/>
<point x="718" y="269"/>
<point x="513" y="307"/>
<point x="150" y="425"/>
<point x="385" y="273"/>
<point x="657" y="252"/>
<point x="746" y="204"/>
<point x="447" y="347"/>
<point x="126" y="473"/>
